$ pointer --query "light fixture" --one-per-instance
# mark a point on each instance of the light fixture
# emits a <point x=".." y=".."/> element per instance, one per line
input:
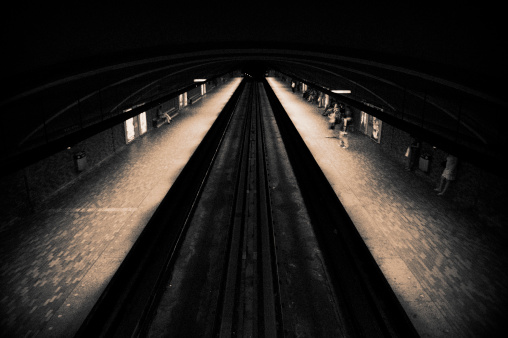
<point x="199" y="80"/>
<point x="134" y="106"/>
<point x="341" y="91"/>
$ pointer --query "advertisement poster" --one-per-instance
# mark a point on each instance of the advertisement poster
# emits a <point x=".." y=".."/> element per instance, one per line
<point x="376" y="128"/>
<point x="364" y="123"/>
<point x="130" y="133"/>
<point x="371" y="126"/>
<point x="142" y="123"/>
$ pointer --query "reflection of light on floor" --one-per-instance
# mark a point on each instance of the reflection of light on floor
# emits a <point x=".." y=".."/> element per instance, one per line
<point x="70" y="210"/>
<point x="289" y="102"/>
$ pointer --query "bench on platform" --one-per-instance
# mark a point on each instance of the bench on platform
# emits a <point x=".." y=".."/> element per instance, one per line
<point x="159" y="121"/>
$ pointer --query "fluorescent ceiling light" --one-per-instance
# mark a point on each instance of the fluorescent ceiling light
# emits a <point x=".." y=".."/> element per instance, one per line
<point x="199" y="80"/>
<point x="341" y="91"/>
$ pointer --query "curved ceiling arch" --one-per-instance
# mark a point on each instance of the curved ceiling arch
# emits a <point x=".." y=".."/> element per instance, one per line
<point x="395" y="85"/>
<point x="378" y="75"/>
<point x="98" y="91"/>
<point x="305" y="52"/>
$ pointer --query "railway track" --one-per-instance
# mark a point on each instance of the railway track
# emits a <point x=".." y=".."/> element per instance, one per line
<point x="249" y="243"/>
<point x="251" y="279"/>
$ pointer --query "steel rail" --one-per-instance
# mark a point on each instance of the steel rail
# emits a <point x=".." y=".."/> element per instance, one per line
<point x="250" y="303"/>
<point x="267" y="241"/>
<point x="230" y="290"/>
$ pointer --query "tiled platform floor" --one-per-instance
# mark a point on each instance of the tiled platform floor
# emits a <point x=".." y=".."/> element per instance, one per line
<point x="448" y="270"/>
<point x="55" y="263"/>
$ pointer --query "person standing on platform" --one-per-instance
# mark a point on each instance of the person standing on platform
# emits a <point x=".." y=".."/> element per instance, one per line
<point x="293" y="85"/>
<point x="320" y="100"/>
<point x="343" y="133"/>
<point x="413" y="154"/>
<point x="349" y="115"/>
<point x="332" y="119"/>
<point x="449" y="174"/>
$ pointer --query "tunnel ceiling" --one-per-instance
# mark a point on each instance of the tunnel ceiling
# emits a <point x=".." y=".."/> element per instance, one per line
<point x="427" y="73"/>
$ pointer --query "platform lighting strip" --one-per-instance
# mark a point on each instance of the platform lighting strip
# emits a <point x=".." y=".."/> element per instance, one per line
<point x="135" y="106"/>
<point x="199" y="80"/>
<point x="341" y="91"/>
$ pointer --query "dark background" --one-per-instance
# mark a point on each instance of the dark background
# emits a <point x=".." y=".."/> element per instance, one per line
<point x="464" y="35"/>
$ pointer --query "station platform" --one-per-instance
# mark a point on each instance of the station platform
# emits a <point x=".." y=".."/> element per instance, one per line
<point x="448" y="271"/>
<point x="57" y="262"/>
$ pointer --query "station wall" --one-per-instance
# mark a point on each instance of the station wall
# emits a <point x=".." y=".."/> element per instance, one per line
<point x="476" y="192"/>
<point x="25" y="191"/>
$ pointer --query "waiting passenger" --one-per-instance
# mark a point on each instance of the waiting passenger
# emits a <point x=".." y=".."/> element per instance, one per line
<point x="343" y="133"/>
<point x="332" y="104"/>
<point x="413" y="154"/>
<point x="449" y="174"/>
<point x="343" y="110"/>
<point x="311" y="96"/>
<point x="332" y="119"/>
<point x="320" y="100"/>
<point x="349" y="114"/>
